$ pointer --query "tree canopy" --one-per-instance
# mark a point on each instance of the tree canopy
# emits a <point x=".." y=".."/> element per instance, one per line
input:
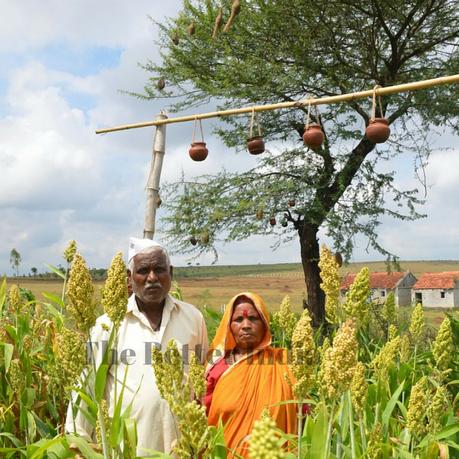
<point x="15" y="260"/>
<point x="285" y="50"/>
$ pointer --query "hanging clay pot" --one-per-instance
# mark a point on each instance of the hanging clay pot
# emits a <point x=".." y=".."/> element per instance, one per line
<point x="205" y="237"/>
<point x="191" y="29"/>
<point x="378" y="130"/>
<point x="313" y="136"/>
<point x="198" y="151"/>
<point x="256" y="145"/>
<point x="193" y="240"/>
<point x="161" y="84"/>
<point x="291" y="203"/>
<point x="272" y="221"/>
<point x="339" y="259"/>
<point x="260" y="214"/>
<point x="175" y="39"/>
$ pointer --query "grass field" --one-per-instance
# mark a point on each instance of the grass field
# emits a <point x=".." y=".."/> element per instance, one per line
<point x="215" y="285"/>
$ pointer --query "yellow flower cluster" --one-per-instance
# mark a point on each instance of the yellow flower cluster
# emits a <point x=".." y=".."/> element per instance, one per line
<point x="443" y="346"/>
<point x="339" y="361"/>
<point x="70" y="251"/>
<point x="405" y="348"/>
<point x="386" y="357"/>
<point x="265" y="441"/>
<point x="303" y="356"/>
<point x="196" y="375"/>
<point x="417" y="408"/>
<point x="70" y="348"/>
<point x="357" y="304"/>
<point x="285" y="319"/>
<point x="115" y="292"/>
<point x="79" y="294"/>
<point x="389" y="310"/>
<point x="359" y="388"/>
<point x="107" y="421"/>
<point x="374" y="448"/>
<point x="437" y="409"/>
<point x="417" y="324"/>
<point x="331" y="282"/>
<point x="14" y="298"/>
<point x="191" y="417"/>
<point x="393" y="331"/>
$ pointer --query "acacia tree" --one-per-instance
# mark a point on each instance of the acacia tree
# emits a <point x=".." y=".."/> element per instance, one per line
<point x="15" y="260"/>
<point x="285" y="50"/>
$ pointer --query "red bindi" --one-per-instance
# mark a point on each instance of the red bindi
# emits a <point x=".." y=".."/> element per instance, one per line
<point x="245" y="313"/>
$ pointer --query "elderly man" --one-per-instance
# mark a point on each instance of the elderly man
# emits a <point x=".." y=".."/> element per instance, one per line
<point x="153" y="318"/>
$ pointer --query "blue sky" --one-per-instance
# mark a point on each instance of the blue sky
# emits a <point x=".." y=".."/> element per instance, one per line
<point x="62" y="66"/>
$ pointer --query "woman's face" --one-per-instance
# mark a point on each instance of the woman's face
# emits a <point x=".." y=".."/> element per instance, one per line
<point x="247" y="326"/>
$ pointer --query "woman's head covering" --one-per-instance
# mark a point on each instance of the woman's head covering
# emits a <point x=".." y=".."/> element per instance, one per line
<point x="224" y="340"/>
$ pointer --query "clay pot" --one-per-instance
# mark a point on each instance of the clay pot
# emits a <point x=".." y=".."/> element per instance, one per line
<point x="193" y="240"/>
<point x="313" y="136"/>
<point x="291" y="203"/>
<point x="339" y="259"/>
<point x="272" y="221"/>
<point x="205" y="238"/>
<point x="175" y="39"/>
<point x="161" y="84"/>
<point x="256" y="145"/>
<point x="198" y="151"/>
<point x="260" y="214"/>
<point x="378" y="130"/>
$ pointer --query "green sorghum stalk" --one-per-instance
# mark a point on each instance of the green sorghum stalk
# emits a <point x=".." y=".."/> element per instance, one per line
<point x="415" y="418"/>
<point x="437" y="408"/>
<point x="303" y="356"/>
<point x="70" y="251"/>
<point x="265" y="441"/>
<point x="386" y="357"/>
<point x="331" y="283"/>
<point x="79" y="295"/>
<point x="443" y="346"/>
<point x="339" y="361"/>
<point x="417" y="324"/>
<point x="359" y="388"/>
<point x="389" y="310"/>
<point x="357" y="303"/>
<point x="115" y="292"/>
<point x="285" y="319"/>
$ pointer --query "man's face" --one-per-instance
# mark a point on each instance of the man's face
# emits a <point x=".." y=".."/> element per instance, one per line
<point x="151" y="277"/>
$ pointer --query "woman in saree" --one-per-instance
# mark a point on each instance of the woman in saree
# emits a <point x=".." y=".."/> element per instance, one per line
<point x="245" y="374"/>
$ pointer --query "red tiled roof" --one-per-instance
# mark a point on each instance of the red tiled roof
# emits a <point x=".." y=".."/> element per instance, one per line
<point x="444" y="281"/>
<point x="377" y="280"/>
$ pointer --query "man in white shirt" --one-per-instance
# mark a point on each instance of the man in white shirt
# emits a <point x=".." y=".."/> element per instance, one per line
<point x="153" y="318"/>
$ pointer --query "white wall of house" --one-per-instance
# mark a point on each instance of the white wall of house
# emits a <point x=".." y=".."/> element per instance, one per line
<point x="379" y="294"/>
<point x="435" y="298"/>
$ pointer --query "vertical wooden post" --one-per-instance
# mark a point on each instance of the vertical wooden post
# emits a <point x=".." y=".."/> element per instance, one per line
<point x="159" y="148"/>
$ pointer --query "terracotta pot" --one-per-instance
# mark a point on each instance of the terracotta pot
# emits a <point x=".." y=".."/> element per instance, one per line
<point x="313" y="136"/>
<point x="256" y="145"/>
<point x="272" y="221"/>
<point x="205" y="237"/>
<point x="198" y="151"/>
<point x="291" y="203"/>
<point x="339" y="259"/>
<point x="260" y="214"/>
<point x="193" y="240"/>
<point x="378" y="130"/>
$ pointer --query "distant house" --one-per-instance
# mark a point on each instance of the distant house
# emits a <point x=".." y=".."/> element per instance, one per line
<point x="437" y="290"/>
<point x="382" y="284"/>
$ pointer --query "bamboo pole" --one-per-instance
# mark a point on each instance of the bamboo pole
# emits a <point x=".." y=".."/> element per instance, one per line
<point x="415" y="86"/>
<point x="159" y="148"/>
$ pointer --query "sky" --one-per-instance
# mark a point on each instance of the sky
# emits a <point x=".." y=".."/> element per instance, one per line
<point x="63" y="69"/>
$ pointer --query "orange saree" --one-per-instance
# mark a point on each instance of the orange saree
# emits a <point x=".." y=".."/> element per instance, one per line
<point x="257" y="381"/>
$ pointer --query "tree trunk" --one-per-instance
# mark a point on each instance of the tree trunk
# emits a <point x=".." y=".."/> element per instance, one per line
<point x="310" y="255"/>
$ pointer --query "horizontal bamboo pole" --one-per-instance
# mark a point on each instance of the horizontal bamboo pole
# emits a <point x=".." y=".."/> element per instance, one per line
<point x="300" y="103"/>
